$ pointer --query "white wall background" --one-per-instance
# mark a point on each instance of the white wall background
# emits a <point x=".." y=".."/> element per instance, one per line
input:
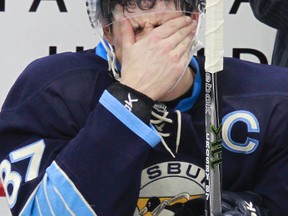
<point x="27" y="35"/>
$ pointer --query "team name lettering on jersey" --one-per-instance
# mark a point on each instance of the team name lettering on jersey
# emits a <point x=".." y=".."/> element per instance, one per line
<point x="174" y="168"/>
<point x="168" y="185"/>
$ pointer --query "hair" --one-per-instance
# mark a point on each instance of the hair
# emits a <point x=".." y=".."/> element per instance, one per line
<point x="131" y="4"/>
<point x="107" y="6"/>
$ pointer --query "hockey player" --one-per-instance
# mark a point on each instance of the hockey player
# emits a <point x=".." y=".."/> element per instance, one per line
<point x="120" y="129"/>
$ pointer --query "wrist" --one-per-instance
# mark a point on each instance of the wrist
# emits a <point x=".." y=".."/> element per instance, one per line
<point x="136" y="102"/>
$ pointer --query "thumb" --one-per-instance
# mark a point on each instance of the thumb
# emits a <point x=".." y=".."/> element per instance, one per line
<point x="127" y="34"/>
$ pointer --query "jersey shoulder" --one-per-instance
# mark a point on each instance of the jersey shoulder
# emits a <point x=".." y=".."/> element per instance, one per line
<point x="243" y="78"/>
<point x="249" y="78"/>
<point x="67" y="72"/>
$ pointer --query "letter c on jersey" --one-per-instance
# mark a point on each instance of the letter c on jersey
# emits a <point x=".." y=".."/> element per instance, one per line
<point x="252" y="123"/>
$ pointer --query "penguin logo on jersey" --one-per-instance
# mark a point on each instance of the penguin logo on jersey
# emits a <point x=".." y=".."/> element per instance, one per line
<point x="168" y="187"/>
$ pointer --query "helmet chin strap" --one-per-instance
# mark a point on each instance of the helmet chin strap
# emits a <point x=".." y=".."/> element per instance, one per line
<point x="111" y="57"/>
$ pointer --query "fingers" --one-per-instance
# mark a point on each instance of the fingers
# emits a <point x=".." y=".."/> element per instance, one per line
<point x="175" y="35"/>
<point x="127" y="34"/>
<point x="182" y="47"/>
<point x="181" y="41"/>
<point x="185" y="34"/>
<point x="171" y="26"/>
<point x="177" y="46"/>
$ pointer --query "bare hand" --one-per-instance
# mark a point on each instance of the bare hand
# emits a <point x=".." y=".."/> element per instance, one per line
<point x="155" y="63"/>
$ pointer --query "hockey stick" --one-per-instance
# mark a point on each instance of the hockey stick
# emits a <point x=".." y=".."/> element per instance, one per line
<point x="213" y="65"/>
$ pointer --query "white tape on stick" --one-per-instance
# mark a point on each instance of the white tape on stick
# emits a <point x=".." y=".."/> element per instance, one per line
<point x="214" y="49"/>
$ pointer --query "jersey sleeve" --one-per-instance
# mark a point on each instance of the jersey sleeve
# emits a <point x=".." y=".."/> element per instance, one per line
<point x="272" y="182"/>
<point x="59" y="160"/>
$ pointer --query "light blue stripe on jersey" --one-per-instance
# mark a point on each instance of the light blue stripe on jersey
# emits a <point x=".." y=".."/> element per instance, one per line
<point x="147" y="133"/>
<point x="37" y="204"/>
<point x="37" y="210"/>
<point x="188" y="103"/>
<point x="57" y="195"/>
<point x="57" y="205"/>
<point x="43" y="204"/>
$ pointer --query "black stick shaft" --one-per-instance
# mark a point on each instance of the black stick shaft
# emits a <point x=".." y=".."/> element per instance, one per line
<point x="213" y="165"/>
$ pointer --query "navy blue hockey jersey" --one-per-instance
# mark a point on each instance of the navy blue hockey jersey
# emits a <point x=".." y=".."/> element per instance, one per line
<point x="68" y="147"/>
